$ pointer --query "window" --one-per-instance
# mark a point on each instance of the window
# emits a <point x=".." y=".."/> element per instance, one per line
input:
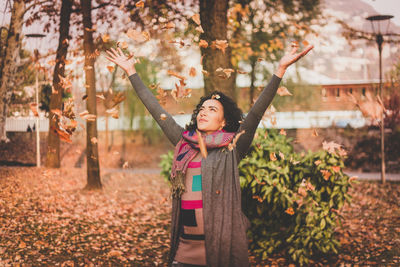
<point x="351" y="90"/>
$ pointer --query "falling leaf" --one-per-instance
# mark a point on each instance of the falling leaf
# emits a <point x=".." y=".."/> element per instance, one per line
<point x="181" y="112"/>
<point x="93" y="140"/>
<point x="196" y="19"/>
<point x="136" y="35"/>
<point x="101" y="96"/>
<point x="221" y="45"/>
<point x="202" y="145"/>
<point x="302" y="191"/>
<point x="317" y="162"/>
<point x="203" y="43"/>
<point x="146" y="36"/>
<point x="205" y="73"/>
<point x="260" y="59"/>
<point x="192" y="72"/>
<point x="305" y="43"/>
<point x="241" y="72"/>
<point x="294" y="44"/>
<point x="235" y="139"/>
<point x="124" y="45"/>
<point x="33" y="107"/>
<point x="140" y="4"/>
<point x="113" y="112"/>
<point x="105" y="38"/>
<point x="282" y="132"/>
<point x="110" y="69"/>
<point x="84" y="97"/>
<point x="116" y="253"/>
<point x="330" y="147"/>
<point x="215" y="96"/>
<point x="290" y="211"/>
<point x="173" y="73"/>
<point x="86" y="116"/>
<point x="281" y="155"/>
<point x="272" y="156"/>
<point x="169" y="25"/>
<point x="315" y="133"/>
<point x="310" y="187"/>
<point x="199" y="29"/>
<point x="125" y="165"/>
<point x="353" y="178"/>
<point x="326" y="174"/>
<point x="163" y="117"/>
<point x="283" y="91"/>
<point x="336" y="168"/>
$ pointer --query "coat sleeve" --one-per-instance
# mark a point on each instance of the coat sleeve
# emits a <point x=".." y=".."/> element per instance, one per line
<point x="169" y="126"/>
<point x="250" y="123"/>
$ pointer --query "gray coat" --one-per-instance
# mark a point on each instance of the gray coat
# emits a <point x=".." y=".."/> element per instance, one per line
<point x="225" y="224"/>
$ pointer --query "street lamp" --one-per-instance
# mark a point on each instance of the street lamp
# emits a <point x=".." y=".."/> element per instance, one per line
<point x="37" y="36"/>
<point x="376" y="23"/>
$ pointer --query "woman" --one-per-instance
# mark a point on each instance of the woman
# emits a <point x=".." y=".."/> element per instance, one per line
<point x="208" y="225"/>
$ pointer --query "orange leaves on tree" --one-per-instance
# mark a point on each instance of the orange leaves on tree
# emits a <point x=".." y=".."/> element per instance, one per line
<point x="283" y="91"/>
<point x="336" y="168"/>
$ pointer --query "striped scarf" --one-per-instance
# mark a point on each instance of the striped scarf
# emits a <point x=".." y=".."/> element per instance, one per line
<point x="187" y="148"/>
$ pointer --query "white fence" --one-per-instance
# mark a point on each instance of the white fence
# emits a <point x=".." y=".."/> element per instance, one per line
<point x="286" y="120"/>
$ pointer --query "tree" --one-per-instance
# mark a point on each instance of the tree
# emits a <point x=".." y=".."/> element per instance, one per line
<point x="53" y="151"/>
<point x="92" y="154"/>
<point x="9" y="60"/>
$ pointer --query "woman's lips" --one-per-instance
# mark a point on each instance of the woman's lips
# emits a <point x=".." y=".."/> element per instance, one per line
<point x="202" y="120"/>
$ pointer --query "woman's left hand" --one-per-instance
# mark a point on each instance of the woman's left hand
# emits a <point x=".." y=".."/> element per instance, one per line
<point x="291" y="58"/>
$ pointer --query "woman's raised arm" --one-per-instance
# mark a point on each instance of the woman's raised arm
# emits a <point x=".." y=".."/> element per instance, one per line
<point x="170" y="128"/>
<point x="256" y="112"/>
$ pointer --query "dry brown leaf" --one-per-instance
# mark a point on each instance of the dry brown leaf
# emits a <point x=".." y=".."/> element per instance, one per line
<point x="33" y="107"/>
<point x="93" y="140"/>
<point x="305" y="43"/>
<point x="110" y="69"/>
<point x="314" y="133"/>
<point x="199" y="29"/>
<point x="192" y="72"/>
<point x="196" y="19"/>
<point x="140" y="4"/>
<point x="272" y="156"/>
<point x="205" y="73"/>
<point x="235" y="139"/>
<point x="281" y="155"/>
<point x="336" y="168"/>
<point x="283" y="91"/>
<point x="163" y="117"/>
<point x="221" y="45"/>
<point x="241" y="72"/>
<point x="202" y="145"/>
<point x="105" y="38"/>
<point x="173" y="73"/>
<point x="282" y="132"/>
<point x="326" y="174"/>
<point x="203" y="43"/>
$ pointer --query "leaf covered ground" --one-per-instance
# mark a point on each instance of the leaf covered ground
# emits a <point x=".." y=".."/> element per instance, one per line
<point x="47" y="219"/>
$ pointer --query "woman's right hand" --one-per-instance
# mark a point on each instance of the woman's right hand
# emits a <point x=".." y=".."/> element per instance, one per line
<point x="126" y="63"/>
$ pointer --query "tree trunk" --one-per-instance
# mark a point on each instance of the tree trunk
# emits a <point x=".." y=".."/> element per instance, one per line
<point x="92" y="154"/>
<point x="53" y="149"/>
<point x="214" y="21"/>
<point x="8" y="63"/>
<point x="253" y="62"/>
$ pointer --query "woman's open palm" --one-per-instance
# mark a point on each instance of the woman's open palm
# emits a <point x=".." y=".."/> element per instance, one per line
<point x="293" y="56"/>
<point x="119" y="58"/>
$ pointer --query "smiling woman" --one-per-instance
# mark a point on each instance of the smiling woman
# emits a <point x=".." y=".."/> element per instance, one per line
<point x="208" y="225"/>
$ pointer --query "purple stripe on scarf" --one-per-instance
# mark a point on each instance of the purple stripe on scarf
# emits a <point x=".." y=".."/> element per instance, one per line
<point x="191" y="204"/>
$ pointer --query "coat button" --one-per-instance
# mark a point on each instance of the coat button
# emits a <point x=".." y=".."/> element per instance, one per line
<point x="217" y="192"/>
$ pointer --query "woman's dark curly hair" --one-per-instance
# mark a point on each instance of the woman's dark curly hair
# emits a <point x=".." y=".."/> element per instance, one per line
<point x="232" y="113"/>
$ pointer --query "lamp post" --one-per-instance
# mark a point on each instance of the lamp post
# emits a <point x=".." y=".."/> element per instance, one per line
<point x="36" y="60"/>
<point x="376" y="28"/>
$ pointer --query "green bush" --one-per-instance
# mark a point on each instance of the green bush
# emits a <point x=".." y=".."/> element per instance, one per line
<point x="292" y="200"/>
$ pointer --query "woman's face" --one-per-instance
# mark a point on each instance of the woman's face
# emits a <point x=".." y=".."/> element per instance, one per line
<point x="211" y="116"/>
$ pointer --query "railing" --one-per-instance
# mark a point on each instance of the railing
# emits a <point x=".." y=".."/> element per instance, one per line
<point x="286" y="120"/>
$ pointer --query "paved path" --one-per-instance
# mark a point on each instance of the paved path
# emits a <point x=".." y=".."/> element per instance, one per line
<point x="374" y="176"/>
